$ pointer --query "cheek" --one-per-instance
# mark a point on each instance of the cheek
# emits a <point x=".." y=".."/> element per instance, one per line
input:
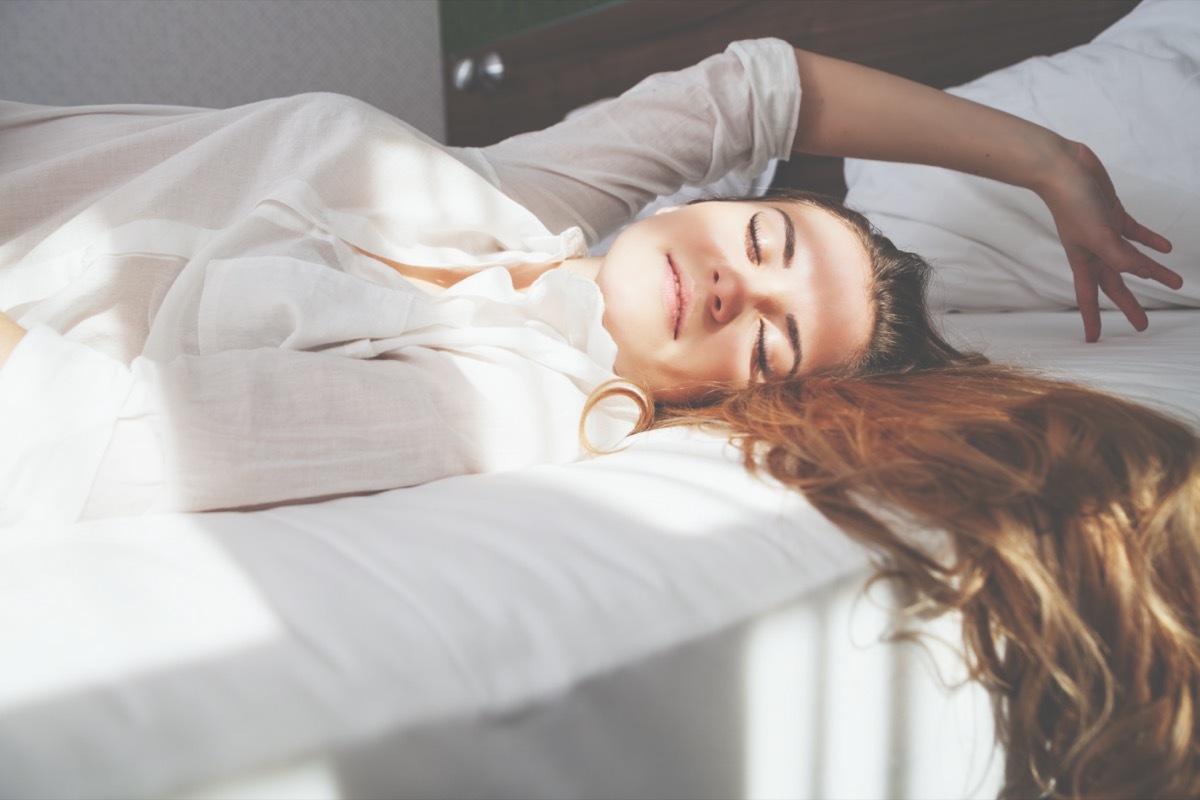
<point x="723" y="357"/>
<point x="717" y="358"/>
<point x="633" y="304"/>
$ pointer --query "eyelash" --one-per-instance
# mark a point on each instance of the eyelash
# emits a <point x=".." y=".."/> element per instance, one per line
<point x="764" y="367"/>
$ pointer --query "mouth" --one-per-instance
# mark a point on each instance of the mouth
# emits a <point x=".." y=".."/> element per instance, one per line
<point x="677" y="291"/>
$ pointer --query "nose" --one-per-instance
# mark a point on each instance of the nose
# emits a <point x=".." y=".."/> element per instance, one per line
<point x="733" y="293"/>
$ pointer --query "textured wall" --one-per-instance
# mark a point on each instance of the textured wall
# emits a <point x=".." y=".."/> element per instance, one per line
<point x="220" y="53"/>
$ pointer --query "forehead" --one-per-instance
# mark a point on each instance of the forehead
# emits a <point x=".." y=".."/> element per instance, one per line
<point x="834" y="277"/>
<point x="828" y="235"/>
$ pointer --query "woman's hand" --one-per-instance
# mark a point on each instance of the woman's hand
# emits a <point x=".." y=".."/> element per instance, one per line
<point x="10" y="335"/>
<point x="1096" y="232"/>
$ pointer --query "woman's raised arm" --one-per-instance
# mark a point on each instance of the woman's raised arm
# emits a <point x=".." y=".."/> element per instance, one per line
<point x="851" y="110"/>
<point x="732" y="112"/>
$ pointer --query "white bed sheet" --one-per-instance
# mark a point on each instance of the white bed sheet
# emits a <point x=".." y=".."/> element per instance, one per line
<point x="498" y="635"/>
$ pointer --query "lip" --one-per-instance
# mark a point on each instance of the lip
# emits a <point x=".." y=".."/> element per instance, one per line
<point x="678" y="289"/>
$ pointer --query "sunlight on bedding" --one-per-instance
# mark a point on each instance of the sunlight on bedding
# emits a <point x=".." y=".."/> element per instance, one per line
<point x="76" y="615"/>
<point x="803" y="741"/>
<point x="314" y="780"/>
<point x="781" y="708"/>
<point x="823" y="687"/>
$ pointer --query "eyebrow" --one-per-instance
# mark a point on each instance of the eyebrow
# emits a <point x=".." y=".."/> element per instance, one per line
<point x="794" y="340"/>
<point x="789" y="238"/>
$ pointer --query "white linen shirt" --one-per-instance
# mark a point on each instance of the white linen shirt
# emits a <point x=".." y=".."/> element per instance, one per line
<point x="204" y="332"/>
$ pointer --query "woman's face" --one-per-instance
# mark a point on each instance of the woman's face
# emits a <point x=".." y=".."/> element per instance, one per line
<point x="734" y="292"/>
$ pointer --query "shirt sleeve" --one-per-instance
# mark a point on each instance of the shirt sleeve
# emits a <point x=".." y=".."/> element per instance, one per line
<point x="732" y="112"/>
<point x="88" y="437"/>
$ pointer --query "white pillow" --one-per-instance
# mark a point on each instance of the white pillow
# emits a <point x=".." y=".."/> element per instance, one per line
<point x="1133" y="96"/>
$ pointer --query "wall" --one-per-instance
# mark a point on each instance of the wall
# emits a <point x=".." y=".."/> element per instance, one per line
<point x="221" y="53"/>
<point x="468" y="24"/>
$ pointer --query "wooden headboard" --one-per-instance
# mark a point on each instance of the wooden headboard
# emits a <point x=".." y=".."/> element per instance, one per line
<point x="552" y="70"/>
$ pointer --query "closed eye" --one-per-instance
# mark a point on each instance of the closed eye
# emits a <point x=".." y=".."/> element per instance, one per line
<point x="762" y="362"/>
<point x="753" y="251"/>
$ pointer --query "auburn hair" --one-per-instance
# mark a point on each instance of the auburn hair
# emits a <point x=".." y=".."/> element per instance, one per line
<point x="1068" y="522"/>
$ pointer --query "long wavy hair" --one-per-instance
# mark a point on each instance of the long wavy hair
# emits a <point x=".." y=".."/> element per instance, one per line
<point x="1068" y="522"/>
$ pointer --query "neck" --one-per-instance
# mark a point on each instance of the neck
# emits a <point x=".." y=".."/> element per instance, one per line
<point x="588" y="267"/>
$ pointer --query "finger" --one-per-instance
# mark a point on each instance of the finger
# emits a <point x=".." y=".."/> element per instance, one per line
<point x="1132" y="229"/>
<point x="1131" y="260"/>
<point x="1113" y="286"/>
<point x="1088" y="297"/>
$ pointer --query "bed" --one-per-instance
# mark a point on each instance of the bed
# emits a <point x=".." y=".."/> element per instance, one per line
<point x="651" y="624"/>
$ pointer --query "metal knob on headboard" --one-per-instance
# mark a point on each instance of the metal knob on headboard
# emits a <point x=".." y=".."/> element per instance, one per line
<point x="486" y="74"/>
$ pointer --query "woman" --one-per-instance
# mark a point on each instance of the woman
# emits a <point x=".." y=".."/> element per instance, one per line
<point x="232" y="264"/>
<point x="331" y="327"/>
